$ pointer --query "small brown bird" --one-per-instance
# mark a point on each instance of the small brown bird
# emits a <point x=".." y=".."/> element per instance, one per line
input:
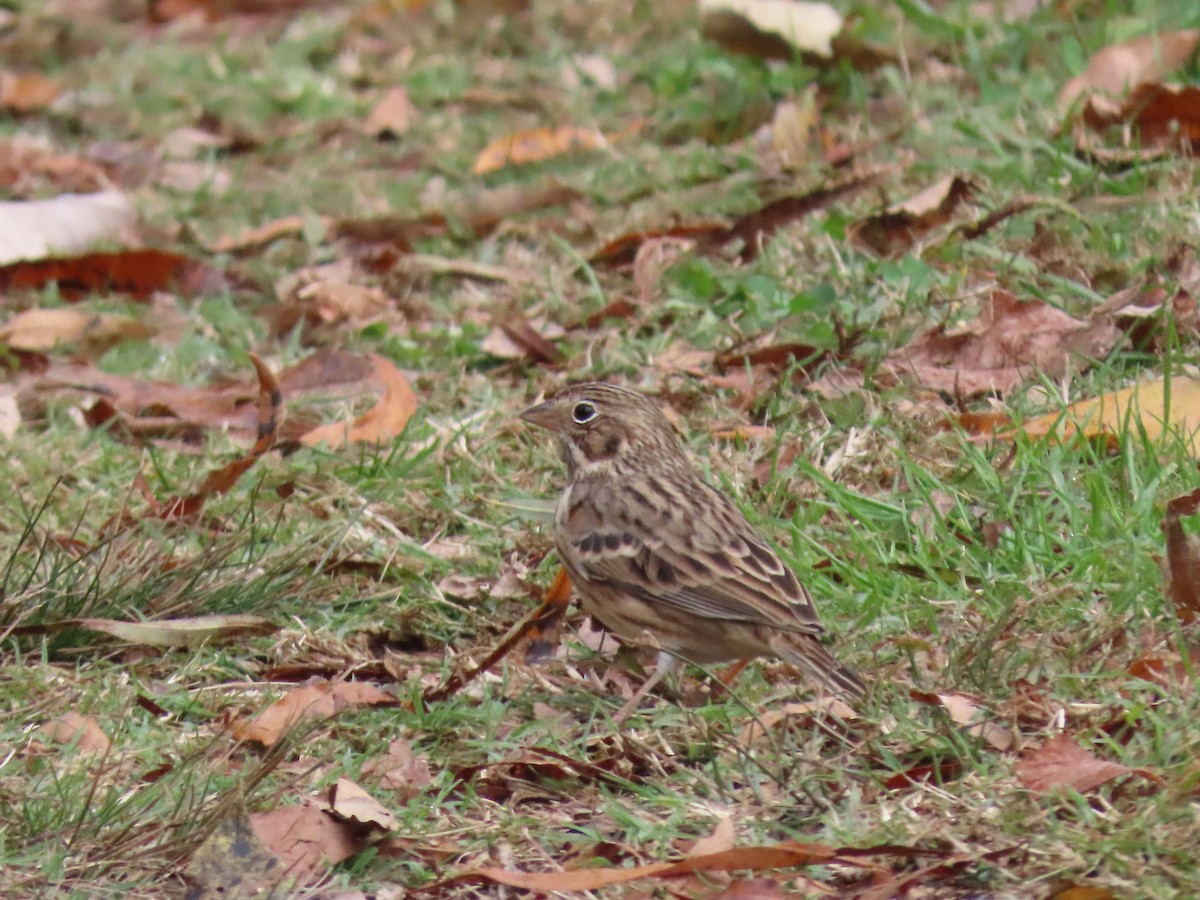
<point x="664" y="559"/>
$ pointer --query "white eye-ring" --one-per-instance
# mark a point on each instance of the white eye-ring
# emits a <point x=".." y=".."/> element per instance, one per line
<point x="583" y="412"/>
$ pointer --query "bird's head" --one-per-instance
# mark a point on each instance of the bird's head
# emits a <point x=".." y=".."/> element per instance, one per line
<point x="605" y="428"/>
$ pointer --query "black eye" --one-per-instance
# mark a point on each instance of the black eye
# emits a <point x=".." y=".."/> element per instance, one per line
<point x="583" y="413"/>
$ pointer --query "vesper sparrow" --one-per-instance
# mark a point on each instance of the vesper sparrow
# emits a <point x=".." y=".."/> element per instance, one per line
<point x="664" y="559"/>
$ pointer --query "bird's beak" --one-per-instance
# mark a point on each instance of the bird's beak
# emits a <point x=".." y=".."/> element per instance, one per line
<point x="541" y="415"/>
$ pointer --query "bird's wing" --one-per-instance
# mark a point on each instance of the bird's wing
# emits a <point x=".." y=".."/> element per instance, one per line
<point x="698" y="555"/>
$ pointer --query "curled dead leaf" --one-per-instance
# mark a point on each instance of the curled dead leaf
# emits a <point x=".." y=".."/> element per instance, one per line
<point x="894" y="231"/>
<point x="323" y="699"/>
<point x="95" y="332"/>
<point x="383" y="422"/>
<point x="536" y="145"/>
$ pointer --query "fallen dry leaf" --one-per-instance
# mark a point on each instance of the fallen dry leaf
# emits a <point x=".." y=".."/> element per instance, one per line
<point x="1154" y="120"/>
<point x="10" y="412"/>
<point x="136" y="272"/>
<point x="187" y="632"/>
<point x="771" y="29"/>
<point x="809" y="709"/>
<point x="83" y="731"/>
<point x="306" y="839"/>
<point x="392" y="115"/>
<point x="1061" y="763"/>
<point x="723" y="837"/>
<point x="1183" y="557"/>
<point x="515" y="337"/>
<point x="1118" y="69"/>
<point x="751" y="230"/>
<point x="25" y="92"/>
<point x="894" y="231"/>
<point x="95" y="332"/>
<point x="789" y="854"/>
<point x="1009" y="341"/>
<point x="401" y="770"/>
<point x="967" y="711"/>
<point x="323" y="297"/>
<point x="29" y="165"/>
<point x="69" y="223"/>
<point x="312" y="701"/>
<point x="382" y="423"/>
<point x="347" y="802"/>
<point x="1168" y="671"/>
<point x="252" y="239"/>
<point x="1150" y="408"/>
<point x="536" y="145"/>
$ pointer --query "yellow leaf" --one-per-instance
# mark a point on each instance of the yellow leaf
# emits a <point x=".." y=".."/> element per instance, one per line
<point x="1154" y="406"/>
<point x="536" y="145"/>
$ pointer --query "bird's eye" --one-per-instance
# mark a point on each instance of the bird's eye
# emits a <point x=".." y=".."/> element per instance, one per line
<point x="583" y="413"/>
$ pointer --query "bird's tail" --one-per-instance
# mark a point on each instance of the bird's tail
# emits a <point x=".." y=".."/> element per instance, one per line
<point x="806" y="653"/>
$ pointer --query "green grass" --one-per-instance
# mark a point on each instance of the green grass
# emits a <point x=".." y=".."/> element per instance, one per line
<point x="1023" y="574"/>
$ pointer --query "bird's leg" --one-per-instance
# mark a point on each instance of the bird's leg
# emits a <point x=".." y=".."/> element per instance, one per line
<point x="663" y="666"/>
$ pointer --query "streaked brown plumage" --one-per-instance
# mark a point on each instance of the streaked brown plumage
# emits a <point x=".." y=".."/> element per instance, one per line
<point x="664" y="559"/>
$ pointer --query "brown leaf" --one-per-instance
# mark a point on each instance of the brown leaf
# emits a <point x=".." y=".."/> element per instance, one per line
<point x="1169" y="672"/>
<point x="723" y="837"/>
<point x="807" y="710"/>
<point x="894" y="231"/>
<point x="785" y="855"/>
<point x="1118" y="69"/>
<point x="25" y="92"/>
<point x="1060" y="762"/>
<point x="96" y="332"/>
<point x="307" y="839"/>
<point x="28" y="166"/>
<point x="220" y="481"/>
<point x="536" y="145"/>
<point x="1083" y="892"/>
<point x="477" y="211"/>
<point x="936" y="773"/>
<point x="965" y="710"/>
<point x="392" y="115"/>
<point x="514" y="337"/>
<point x="546" y="626"/>
<point x="401" y="770"/>
<point x="73" y="727"/>
<point x="1183" y="557"/>
<point x="1009" y="341"/>
<point x="1154" y="120"/>
<point x="252" y="239"/>
<point x="347" y="802"/>
<point x="773" y="356"/>
<point x="752" y="230"/>
<point x="312" y="701"/>
<point x="321" y="298"/>
<point x="382" y="423"/>
<point x="136" y="272"/>
<point x="623" y="250"/>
